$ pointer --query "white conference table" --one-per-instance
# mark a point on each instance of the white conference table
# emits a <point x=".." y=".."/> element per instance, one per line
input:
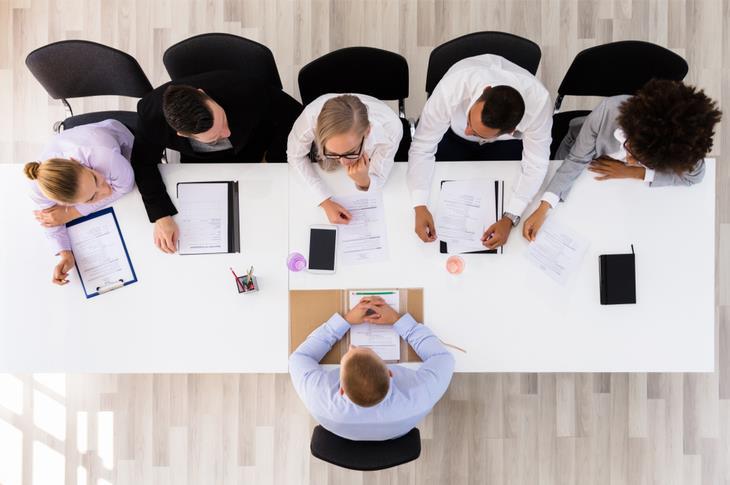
<point x="510" y="317"/>
<point x="185" y="315"/>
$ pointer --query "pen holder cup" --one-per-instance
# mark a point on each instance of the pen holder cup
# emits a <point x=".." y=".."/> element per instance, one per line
<point x="245" y="287"/>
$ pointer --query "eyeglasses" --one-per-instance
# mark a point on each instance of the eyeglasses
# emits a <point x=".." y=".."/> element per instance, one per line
<point x="346" y="156"/>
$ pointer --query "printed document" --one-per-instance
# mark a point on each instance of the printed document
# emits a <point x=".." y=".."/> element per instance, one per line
<point x="99" y="253"/>
<point x="363" y="239"/>
<point x="382" y="339"/>
<point x="557" y="250"/>
<point x="202" y="218"/>
<point x="466" y="209"/>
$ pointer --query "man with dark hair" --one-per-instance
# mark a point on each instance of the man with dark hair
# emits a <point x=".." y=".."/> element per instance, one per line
<point x="660" y="135"/>
<point x="484" y="108"/>
<point x="367" y="399"/>
<point x="220" y="116"/>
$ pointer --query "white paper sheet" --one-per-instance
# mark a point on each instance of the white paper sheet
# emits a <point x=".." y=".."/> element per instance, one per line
<point x="466" y="209"/>
<point x="202" y="218"/>
<point x="382" y="339"/>
<point x="557" y="250"/>
<point x="99" y="253"/>
<point x="364" y="239"/>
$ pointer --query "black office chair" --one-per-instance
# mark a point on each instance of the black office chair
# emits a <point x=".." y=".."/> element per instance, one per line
<point x="522" y="52"/>
<point x="218" y="51"/>
<point x="609" y="70"/>
<point x="365" y="455"/>
<point x="79" y="68"/>
<point x="365" y="70"/>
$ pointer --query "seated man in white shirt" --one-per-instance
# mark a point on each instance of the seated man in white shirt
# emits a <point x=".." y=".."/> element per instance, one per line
<point x="367" y="399"/>
<point x="660" y="135"/>
<point x="483" y="99"/>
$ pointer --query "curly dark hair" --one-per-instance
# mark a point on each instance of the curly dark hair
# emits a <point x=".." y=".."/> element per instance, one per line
<point x="669" y="125"/>
<point x="185" y="109"/>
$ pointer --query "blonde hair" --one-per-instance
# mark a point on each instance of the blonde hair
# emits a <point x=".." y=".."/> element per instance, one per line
<point x="339" y="115"/>
<point x="365" y="379"/>
<point x="58" y="178"/>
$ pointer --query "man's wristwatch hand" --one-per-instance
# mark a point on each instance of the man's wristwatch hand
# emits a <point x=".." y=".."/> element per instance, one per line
<point x="515" y="219"/>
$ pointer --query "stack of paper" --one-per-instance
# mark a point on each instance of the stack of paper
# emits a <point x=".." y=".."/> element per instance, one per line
<point x="382" y="339"/>
<point x="364" y="239"/>
<point x="203" y="218"/>
<point x="557" y="250"/>
<point x="466" y="209"/>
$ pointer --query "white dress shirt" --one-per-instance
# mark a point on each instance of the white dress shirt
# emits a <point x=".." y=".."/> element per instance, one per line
<point x="448" y="108"/>
<point x="105" y="147"/>
<point x="411" y="396"/>
<point x="380" y="145"/>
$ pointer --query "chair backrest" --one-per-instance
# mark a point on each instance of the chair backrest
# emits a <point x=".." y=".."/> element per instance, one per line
<point x="217" y="52"/>
<point x="365" y="455"/>
<point x="521" y="51"/>
<point x="366" y="70"/>
<point x="79" y="68"/>
<point x="620" y="68"/>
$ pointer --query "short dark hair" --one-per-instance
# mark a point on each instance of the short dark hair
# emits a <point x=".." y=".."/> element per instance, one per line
<point x="669" y="125"/>
<point x="503" y="108"/>
<point x="185" y="109"/>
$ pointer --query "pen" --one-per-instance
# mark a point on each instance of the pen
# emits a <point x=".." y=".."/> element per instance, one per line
<point x="238" y="282"/>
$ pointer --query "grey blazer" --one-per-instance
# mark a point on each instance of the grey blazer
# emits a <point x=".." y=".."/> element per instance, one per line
<point x="590" y="137"/>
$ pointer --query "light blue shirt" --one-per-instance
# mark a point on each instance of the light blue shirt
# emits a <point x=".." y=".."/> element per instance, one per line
<point x="411" y="396"/>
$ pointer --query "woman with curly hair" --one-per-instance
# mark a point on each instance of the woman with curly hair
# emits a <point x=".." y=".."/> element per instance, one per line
<point x="660" y="135"/>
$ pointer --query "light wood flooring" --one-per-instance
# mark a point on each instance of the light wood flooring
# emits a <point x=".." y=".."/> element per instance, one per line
<point x="489" y="428"/>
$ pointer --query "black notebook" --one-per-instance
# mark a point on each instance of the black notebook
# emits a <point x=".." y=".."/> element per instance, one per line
<point x="208" y="217"/>
<point x="618" y="278"/>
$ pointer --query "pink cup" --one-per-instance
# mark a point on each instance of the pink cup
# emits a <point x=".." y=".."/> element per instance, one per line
<point x="296" y="262"/>
<point x="455" y="264"/>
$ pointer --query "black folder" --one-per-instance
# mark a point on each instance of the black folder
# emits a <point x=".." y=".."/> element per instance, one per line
<point x="499" y="203"/>
<point x="618" y="278"/>
<point x="234" y="225"/>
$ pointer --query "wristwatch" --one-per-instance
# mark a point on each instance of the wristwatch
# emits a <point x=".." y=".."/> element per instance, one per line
<point x="515" y="219"/>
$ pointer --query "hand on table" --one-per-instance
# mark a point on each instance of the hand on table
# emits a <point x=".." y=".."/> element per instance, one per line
<point x="608" y="168"/>
<point x="336" y="214"/>
<point x="533" y="223"/>
<point x="165" y="234"/>
<point x="425" y="228"/>
<point x="497" y="234"/>
<point x="60" y="272"/>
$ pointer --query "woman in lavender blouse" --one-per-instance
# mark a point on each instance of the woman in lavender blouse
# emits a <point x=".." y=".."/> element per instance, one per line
<point x="83" y="170"/>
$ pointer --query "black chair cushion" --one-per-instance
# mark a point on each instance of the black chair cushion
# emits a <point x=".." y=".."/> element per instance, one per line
<point x="221" y="52"/>
<point x="561" y="122"/>
<point x="365" y="455"/>
<point x="128" y="118"/>
<point x="522" y="52"/>
<point x="79" y="68"/>
<point x="365" y="70"/>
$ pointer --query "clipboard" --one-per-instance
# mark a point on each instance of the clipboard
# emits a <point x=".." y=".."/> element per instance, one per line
<point x="498" y="206"/>
<point x="234" y="226"/>
<point x="112" y="285"/>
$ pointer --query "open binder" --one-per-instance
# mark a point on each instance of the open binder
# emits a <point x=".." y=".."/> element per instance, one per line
<point x="208" y="217"/>
<point x="102" y="259"/>
<point x="498" y="206"/>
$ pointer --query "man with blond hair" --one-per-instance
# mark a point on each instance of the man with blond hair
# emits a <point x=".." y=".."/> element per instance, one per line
<point x="367" y="399"/>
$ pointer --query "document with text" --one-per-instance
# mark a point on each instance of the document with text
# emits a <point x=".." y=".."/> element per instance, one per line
<point x="382" y="339"/>
<point x="557" y="250"/>
<point x="363" y="239"/>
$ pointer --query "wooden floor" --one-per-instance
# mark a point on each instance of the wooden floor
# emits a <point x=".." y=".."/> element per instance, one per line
<point x="489" y="428"/>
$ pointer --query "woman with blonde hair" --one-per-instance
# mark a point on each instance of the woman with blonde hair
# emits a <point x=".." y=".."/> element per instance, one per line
<point x="355" y="131"/>
<point x="83" y="170"/>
